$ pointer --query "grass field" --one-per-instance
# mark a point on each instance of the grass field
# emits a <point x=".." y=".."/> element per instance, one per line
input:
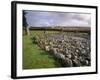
<point x="34" y="57"/>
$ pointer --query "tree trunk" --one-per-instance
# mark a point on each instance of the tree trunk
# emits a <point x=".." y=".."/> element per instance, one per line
<point x="27" y="31"/>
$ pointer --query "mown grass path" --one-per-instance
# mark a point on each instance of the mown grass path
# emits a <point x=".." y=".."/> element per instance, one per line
<point x="34" y="57"/>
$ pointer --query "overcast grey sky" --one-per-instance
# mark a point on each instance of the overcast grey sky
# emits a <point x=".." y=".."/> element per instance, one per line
<point x="45" y="18"/>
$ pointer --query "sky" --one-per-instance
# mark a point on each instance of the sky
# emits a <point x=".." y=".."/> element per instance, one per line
<point x="50" y="18"/>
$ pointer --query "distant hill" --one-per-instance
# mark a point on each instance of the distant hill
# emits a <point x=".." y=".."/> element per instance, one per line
<point x="63" y="28"/>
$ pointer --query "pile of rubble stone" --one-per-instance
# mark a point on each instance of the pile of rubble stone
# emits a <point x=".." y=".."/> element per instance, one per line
<point x="70" y="51"/>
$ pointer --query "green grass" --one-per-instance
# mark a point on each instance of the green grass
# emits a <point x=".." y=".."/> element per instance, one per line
<point x="34" y="57"/>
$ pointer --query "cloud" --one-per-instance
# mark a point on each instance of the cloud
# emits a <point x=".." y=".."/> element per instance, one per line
<point x="45" y="18"/>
